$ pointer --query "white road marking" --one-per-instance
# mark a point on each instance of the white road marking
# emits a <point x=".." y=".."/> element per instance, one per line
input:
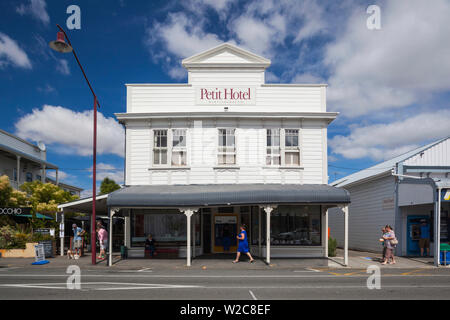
<point x="9" y="268"/>
<point x="314" y="270"/>
<point x="252" y="294"/>
<point x="140" y="286"/>
<point x="132" y="271"/>
<point x="97" y="286"/>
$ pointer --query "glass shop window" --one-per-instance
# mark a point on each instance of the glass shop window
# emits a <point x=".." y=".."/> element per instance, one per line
<point x="168" y="227"/>
<point x="296" y="225"/>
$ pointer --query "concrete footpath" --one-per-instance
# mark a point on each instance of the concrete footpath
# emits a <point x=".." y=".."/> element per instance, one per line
<point x="357" y="260"/>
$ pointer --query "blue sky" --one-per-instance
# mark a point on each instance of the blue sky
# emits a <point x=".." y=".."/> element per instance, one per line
<point x="391" y="86"/>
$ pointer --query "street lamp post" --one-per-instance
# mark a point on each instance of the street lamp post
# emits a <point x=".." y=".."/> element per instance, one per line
<point x="60" y="45"/>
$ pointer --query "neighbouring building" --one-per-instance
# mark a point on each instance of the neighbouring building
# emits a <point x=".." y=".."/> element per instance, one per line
<point x="401" y="192"/>
<point x="23" y="162"/>
<point x="222" y="150"/>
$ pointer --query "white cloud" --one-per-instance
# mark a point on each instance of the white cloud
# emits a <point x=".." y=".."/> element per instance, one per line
<point x="384" y="141"/>
<point x="61" y="175"/>
<point x="182" y="36"/>
<point x="37" y="9"/>
<point x="307" y="78"/>
<point x="63" y="67"/>
<point x="11" y="53"/>
<point x="71" y="130"/>
<point x="265" y="25"/>
<point x="220" y="6"/>
<point x="105" y="170"/>
<point x="401" y="64"/>
<point x="271" y="77"/>
<point x="46" y="89"/>
<point x="262" y="27"/>
<point x="255" y="34"/>
<point x="41" y="48"/>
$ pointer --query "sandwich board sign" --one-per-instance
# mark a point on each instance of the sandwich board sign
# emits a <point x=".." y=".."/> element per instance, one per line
<point x="40" y="253"/>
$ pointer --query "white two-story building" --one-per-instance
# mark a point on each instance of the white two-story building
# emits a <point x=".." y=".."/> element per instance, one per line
<point x="222" y="150"/>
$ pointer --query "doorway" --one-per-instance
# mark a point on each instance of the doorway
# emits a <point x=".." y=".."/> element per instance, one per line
<point x="225" y="228"/>
<point x="413" y="234"/>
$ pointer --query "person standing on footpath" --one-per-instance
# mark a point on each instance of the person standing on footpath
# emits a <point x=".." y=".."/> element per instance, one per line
<point x="424" y="241"/>
<point x="77" y="241"/>
<point x="383" y="232"/>
<point x="389" y="243"/>
<point x="103" y="240"/>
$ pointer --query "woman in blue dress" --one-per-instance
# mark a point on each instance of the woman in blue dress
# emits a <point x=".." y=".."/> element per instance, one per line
<point x="243" y="245"/>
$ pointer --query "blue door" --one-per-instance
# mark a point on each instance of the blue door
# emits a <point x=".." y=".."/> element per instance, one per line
<point x="413" y="234"/>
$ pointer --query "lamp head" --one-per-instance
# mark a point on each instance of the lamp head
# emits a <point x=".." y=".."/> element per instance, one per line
<point x="60" y="44"/>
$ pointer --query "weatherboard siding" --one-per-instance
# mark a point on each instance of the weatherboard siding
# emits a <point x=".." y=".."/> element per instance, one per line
<point x="367" y="215"/>
<point x="164" y="99"/>
<point x="19" y="145"/>
<point x="437" y="155"/>
<point x="202" y="144"/>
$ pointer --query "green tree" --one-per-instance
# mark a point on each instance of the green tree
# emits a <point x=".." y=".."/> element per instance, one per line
<point x="10" y="197"/>
<point x="45" y="197"/>
<point x="5" y="191"/>
<point x="41" y="197"/>
<point x="108" y="186"/>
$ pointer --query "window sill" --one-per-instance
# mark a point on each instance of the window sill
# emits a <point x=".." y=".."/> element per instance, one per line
<point x="169" y="168"/>
<point x="231" y="167"/>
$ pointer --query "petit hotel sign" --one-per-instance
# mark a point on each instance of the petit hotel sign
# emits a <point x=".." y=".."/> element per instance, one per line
<point x="226" y="96"/>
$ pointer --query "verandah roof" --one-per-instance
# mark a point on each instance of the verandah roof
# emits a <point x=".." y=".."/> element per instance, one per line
<point x="226" y="194"/>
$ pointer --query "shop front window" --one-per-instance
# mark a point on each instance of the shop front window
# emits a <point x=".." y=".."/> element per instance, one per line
<point x="296" y="225"/>
<point x="168" y="227"/>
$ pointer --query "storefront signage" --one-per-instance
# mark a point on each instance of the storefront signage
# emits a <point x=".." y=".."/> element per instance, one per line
<point x="226" y="96"/>
<point x="445" y="195"/>
<point x="14" y="211"/>
<point x="388" y="203"/>
<point x="40" y="253"/>
<point x="48" y="248"/>
<point x="225" y="220"/>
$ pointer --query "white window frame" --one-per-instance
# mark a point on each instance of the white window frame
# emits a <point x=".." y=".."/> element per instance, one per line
<point x="170" y="149"/>
<point x="295" y="149"/>
<point x="178" y="149"/>
<point x="273" y="154"/>
<point x="226" y="153"/>
<point x="154" y="148"/>
<point x="283" y="149"/>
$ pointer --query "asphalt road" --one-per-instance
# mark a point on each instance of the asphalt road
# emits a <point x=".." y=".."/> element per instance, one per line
<point x="49" y="284"/>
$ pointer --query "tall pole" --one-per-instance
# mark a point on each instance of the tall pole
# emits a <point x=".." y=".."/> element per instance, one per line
<point x="94" y="187"/>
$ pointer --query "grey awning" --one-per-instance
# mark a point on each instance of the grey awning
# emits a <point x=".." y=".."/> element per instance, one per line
<point x="221" y="195"/>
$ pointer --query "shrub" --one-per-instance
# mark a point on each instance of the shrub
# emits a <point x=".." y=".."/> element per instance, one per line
<point x="332" y="246"/>
<point x="10" y="239"/>
<point x="36" y="237"/>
